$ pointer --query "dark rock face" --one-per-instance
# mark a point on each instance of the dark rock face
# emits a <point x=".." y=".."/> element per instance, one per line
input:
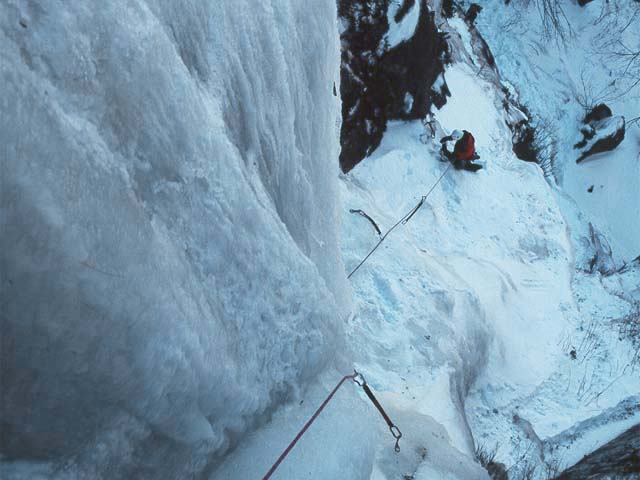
<point x="526" y="141"/>
<point x="524" y="138"/>
<point x="620" y="458"/>
<point x="381" y="83"/>
<point x="599" y="112"/>
<point x="447" y="8"/>
<point x="497" y="471"/>
<point x="486" y="52"/>
<point x="472" y="12"/>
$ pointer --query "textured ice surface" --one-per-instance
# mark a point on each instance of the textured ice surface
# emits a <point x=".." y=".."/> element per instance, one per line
<point x="169" y="252"/>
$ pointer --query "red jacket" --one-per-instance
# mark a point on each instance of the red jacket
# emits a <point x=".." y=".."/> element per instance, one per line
<point x="465" y="148"/>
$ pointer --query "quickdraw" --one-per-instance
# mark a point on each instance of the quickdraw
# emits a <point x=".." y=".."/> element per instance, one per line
<point x="359" y="380"/>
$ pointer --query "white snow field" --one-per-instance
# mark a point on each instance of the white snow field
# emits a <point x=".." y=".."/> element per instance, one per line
<point x="175" y="302"/>
<point x="474" y="306"/>
<point x="556" y="79"/>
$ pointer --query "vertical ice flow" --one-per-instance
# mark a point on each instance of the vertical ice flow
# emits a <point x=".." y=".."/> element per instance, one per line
<point x="168" y="214"/>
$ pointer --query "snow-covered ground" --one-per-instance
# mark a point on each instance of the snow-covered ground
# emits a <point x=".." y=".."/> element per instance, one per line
<point x="466" y="317"/>
<point x="556" y="79"/>
<point x="480" y="288"/>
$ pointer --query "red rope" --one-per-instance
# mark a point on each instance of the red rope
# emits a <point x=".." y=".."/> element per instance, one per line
<point x="307" y="425"/>
<point x="361" y="382"/>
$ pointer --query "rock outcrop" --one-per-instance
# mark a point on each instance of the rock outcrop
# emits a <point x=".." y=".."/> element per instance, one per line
<point x="620" y="458"/>
<point x="602" y="132"/>
<point x="393" y="59"/>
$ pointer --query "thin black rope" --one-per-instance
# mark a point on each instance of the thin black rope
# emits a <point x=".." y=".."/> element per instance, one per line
<point x="402" y="221"/>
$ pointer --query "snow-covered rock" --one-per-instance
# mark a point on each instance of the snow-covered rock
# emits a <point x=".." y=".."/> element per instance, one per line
<point x="620" y="458"/>
<point x="600" y="136"/>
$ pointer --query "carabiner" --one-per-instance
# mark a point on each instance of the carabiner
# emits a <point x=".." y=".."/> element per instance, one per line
<point x="397" y="434"/>
<point x="358" y="379"/>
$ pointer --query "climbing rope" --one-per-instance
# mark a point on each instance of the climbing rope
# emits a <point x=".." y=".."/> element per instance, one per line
<point x="359" y="380"/>
<point x="402" y="221"/>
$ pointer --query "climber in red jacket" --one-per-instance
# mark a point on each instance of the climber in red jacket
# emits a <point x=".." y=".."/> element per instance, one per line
<point x="463" y="152"/>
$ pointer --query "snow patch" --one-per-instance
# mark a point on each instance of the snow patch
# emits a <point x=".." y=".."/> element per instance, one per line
<point x="404" y="29"/>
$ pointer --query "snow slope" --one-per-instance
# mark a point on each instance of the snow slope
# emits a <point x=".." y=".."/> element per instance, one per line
<point x="555" y="79"/>
<point x="169" y="208"/>
<point x="462" y="229"/>
<point x="452" y="292"/>
<point x="464" y="319"/>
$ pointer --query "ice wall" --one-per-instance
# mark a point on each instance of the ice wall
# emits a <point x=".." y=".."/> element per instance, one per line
<point x="170" y="268"/>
